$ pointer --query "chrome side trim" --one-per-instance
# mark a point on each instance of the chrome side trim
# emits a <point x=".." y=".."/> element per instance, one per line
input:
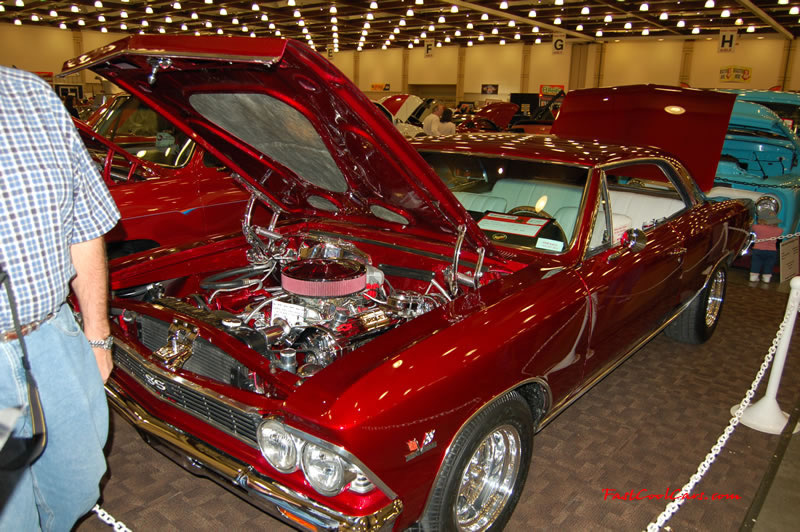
<point x="240" y="478"/>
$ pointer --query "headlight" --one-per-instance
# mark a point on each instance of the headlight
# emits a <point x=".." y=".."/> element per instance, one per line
<point x="324" y="470"/>
<point x="277" y="446"/>
<point x="768" y="206"/>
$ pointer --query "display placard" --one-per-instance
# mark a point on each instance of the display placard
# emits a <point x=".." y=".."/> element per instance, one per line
<point x="789" y="253"/>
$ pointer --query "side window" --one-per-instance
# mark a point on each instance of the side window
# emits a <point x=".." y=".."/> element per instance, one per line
<point x="644" y="195"/>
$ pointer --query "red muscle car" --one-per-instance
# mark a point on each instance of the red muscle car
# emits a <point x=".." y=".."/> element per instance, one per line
<point x="381" y="354"/>
<point x="169" y="190"/>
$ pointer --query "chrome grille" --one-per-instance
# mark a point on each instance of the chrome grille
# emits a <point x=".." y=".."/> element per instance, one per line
<point x="242" y="425"/>
<point x="153" y="333"/>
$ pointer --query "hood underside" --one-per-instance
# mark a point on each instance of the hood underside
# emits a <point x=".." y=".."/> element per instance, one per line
<point x="291" y="125"/>
<point x="688" y="123"/>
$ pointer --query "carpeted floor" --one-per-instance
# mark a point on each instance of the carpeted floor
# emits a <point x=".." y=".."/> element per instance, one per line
<point x="645" y="427"/>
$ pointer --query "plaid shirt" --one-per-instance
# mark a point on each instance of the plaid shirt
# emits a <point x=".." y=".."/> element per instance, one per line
<point x="51" y="196"/>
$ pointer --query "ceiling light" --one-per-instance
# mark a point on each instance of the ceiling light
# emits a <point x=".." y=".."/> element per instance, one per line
<point x="470" y="25"/>
<point x="709" y="4"/>
<point x="98" y="4"/>
<point x="536" y="29"/>
<point x="63" y="26"/>
<point x="794" y="11"/>
<point x="53" y="13"/>
<point x="494" y="31"/>
<point x="502" y="42"/>
<point x="366" y="25"/>
<point x="81" y="22"/>
<point x="271" y="26"/>
<point x="739" y="22"/>
<point x="277" y="33"/>
<point x="557" y="21"/>
<point x="100" y="18"/>
<point x="538" y="40"/>
<point x="727" y="12"/>
<point x="485" y="16"/>
<point x="209" y="1"/>
<point x="168" y="19"/>
<point x="644" y="7"/>
<point x="383" y="47"/>
<point x="370" y="16"/>
<point x="480" y="37"/>
<point x="457" y="33"/>
<point x="123" y="14"/>
<point x="148" y="10"/>
<point x="123" y="26"/>
<point x="608" y="18"/>
<point x="373" y="5"/>
<point x="454" y="9"/>
<point x="416" y="41"/>
<point x="35" y="18"/>
<point x="300" y="22"/>
<point x="197" y="34"/>
<point x="396" y="30"/>
<point x="296" y="13"/>
<point x="419" y="2"/>
<point x="145" y="24"/>
<point x="504" y="5"/>
<point x="20" y="3"/>
<point x="628" y="25"/>
<point x="103" y="29"/>
<point x="423" y="35"/>
<point x="681" y="24"/>
<point x="438" y="44"/>
<point x="264" y="17"/>
<point x="695" y="30"/>
<point x="244" y="29"/>
<point x="585" y="10"/>
<point x="783" y="2"/>
<point x="410" y="12"/>
<point x="184" y="27"/>
<point x="253" y="34"/>
<point x="291" y="3"/>
<point x="751" y="29"/>
<point x="469" y="43"/>
<point x="532" y="13"/>
<point x="447" y="39"/>
<point x="441" y="19"/>
<point x="410" y="45"/>
<point x="333" y="10"/>
<point x="207" y="23"/>
<point x="559" y="2"/>
<point x="364" y="32"/>
<point x="645" y="32"/>
<point x="219" y="31"/>
<point x="223" y="12"/>
<point x="402" y="22"/>
<point x="72" y="8"/>
<point x="334" y="20"/>
<point x="598" y="33"/>
<point x="304" y="31"/>
<point x="176" y="5"/>
<point x="517" y="36"/>
<point x="255" y="7"/>
<point x="194" y="15"/>
<point x="663" y="16"/>
<point x="431" y="28"/>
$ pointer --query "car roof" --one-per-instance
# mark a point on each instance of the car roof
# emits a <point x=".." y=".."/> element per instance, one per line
<point x="542" y="147"/>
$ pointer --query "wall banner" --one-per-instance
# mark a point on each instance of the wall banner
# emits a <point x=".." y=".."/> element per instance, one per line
<point x="559" y="43"/>
<point x="735" y="74"/>
<point x="728" y="39"/>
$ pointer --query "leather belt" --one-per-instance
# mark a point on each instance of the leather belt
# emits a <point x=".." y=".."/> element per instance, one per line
<point x="28" y="328"/>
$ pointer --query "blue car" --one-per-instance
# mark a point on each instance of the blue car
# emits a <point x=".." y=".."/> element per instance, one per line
<point x="785" y="104"/>
<point x="761" y="161"/>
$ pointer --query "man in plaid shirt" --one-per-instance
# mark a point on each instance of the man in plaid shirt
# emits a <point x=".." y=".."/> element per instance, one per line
<point x="54" y="211"/>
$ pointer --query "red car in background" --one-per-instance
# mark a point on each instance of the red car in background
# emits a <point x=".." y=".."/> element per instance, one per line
<point x="169" y="190"/>
<point x="494" y="116"/>
<point x="381" y="354"/>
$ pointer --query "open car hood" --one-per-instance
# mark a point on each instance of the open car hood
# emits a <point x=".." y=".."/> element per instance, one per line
<point x="688" y="123"/>
<point x="290" y="125"/>
<point x="402" y="106"/>
<point x="500" y="113"/>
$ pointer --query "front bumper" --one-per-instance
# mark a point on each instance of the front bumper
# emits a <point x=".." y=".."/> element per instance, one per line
<point x="278" y="501"/>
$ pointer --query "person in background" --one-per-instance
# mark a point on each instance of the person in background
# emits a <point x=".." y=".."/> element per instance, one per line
<point x="446" y="125"/>
<point x="69" y="103"/>
<point x="431" y="123"/>
<point x="54" y="210"/>
<point x="764" y="254"/>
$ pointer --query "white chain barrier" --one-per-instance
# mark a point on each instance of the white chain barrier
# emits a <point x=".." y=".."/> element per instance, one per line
<point x="673" y="506"/>
<point x="108" y="519"/>
<point x="779" y="237"/>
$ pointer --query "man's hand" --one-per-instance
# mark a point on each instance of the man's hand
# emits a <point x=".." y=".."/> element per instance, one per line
<point x="104" y="362"/>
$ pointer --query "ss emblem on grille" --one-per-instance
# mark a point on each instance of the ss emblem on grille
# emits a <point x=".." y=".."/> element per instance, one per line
<point x="155" y="383"/>
<point x="179" y="344"/>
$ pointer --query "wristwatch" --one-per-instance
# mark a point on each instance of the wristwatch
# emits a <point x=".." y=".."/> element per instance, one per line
<point x="105" y="343"/>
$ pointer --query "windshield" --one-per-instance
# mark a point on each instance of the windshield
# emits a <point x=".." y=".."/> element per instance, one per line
<point x="139" y="130"/>
<point x="789" y="113"/>
<point x="519" y="203"/>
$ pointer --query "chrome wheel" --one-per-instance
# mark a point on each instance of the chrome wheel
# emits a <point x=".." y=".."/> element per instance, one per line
<point x="716" y="295"/>
<point x="488" y="480"/>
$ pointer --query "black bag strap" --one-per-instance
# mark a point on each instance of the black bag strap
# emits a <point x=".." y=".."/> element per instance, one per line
<point x="34" y="402"/>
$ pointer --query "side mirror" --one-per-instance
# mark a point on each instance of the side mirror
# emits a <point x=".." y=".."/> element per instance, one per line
<point x="633" y="240"/>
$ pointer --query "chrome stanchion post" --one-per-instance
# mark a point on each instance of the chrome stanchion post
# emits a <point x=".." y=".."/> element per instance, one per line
<point x="766" y="415"/>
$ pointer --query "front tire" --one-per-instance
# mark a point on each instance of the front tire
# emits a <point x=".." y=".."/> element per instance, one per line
<point x="698" y="321"/>
<point x="485" y="470"/>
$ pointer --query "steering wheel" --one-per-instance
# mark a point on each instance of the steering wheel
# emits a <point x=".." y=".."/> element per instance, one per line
<point x="520" y="209"/>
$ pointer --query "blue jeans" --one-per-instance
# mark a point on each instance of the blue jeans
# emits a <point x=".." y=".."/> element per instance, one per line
<point x="763" y="261"/>
<point x="63" y="484"/>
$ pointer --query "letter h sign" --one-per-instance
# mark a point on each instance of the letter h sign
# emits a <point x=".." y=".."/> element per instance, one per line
<point x="727" y="40"/>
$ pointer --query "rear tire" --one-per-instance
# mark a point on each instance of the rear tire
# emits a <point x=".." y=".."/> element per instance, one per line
<point x="485" y="470"/>
<point x="697" y="322"/>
